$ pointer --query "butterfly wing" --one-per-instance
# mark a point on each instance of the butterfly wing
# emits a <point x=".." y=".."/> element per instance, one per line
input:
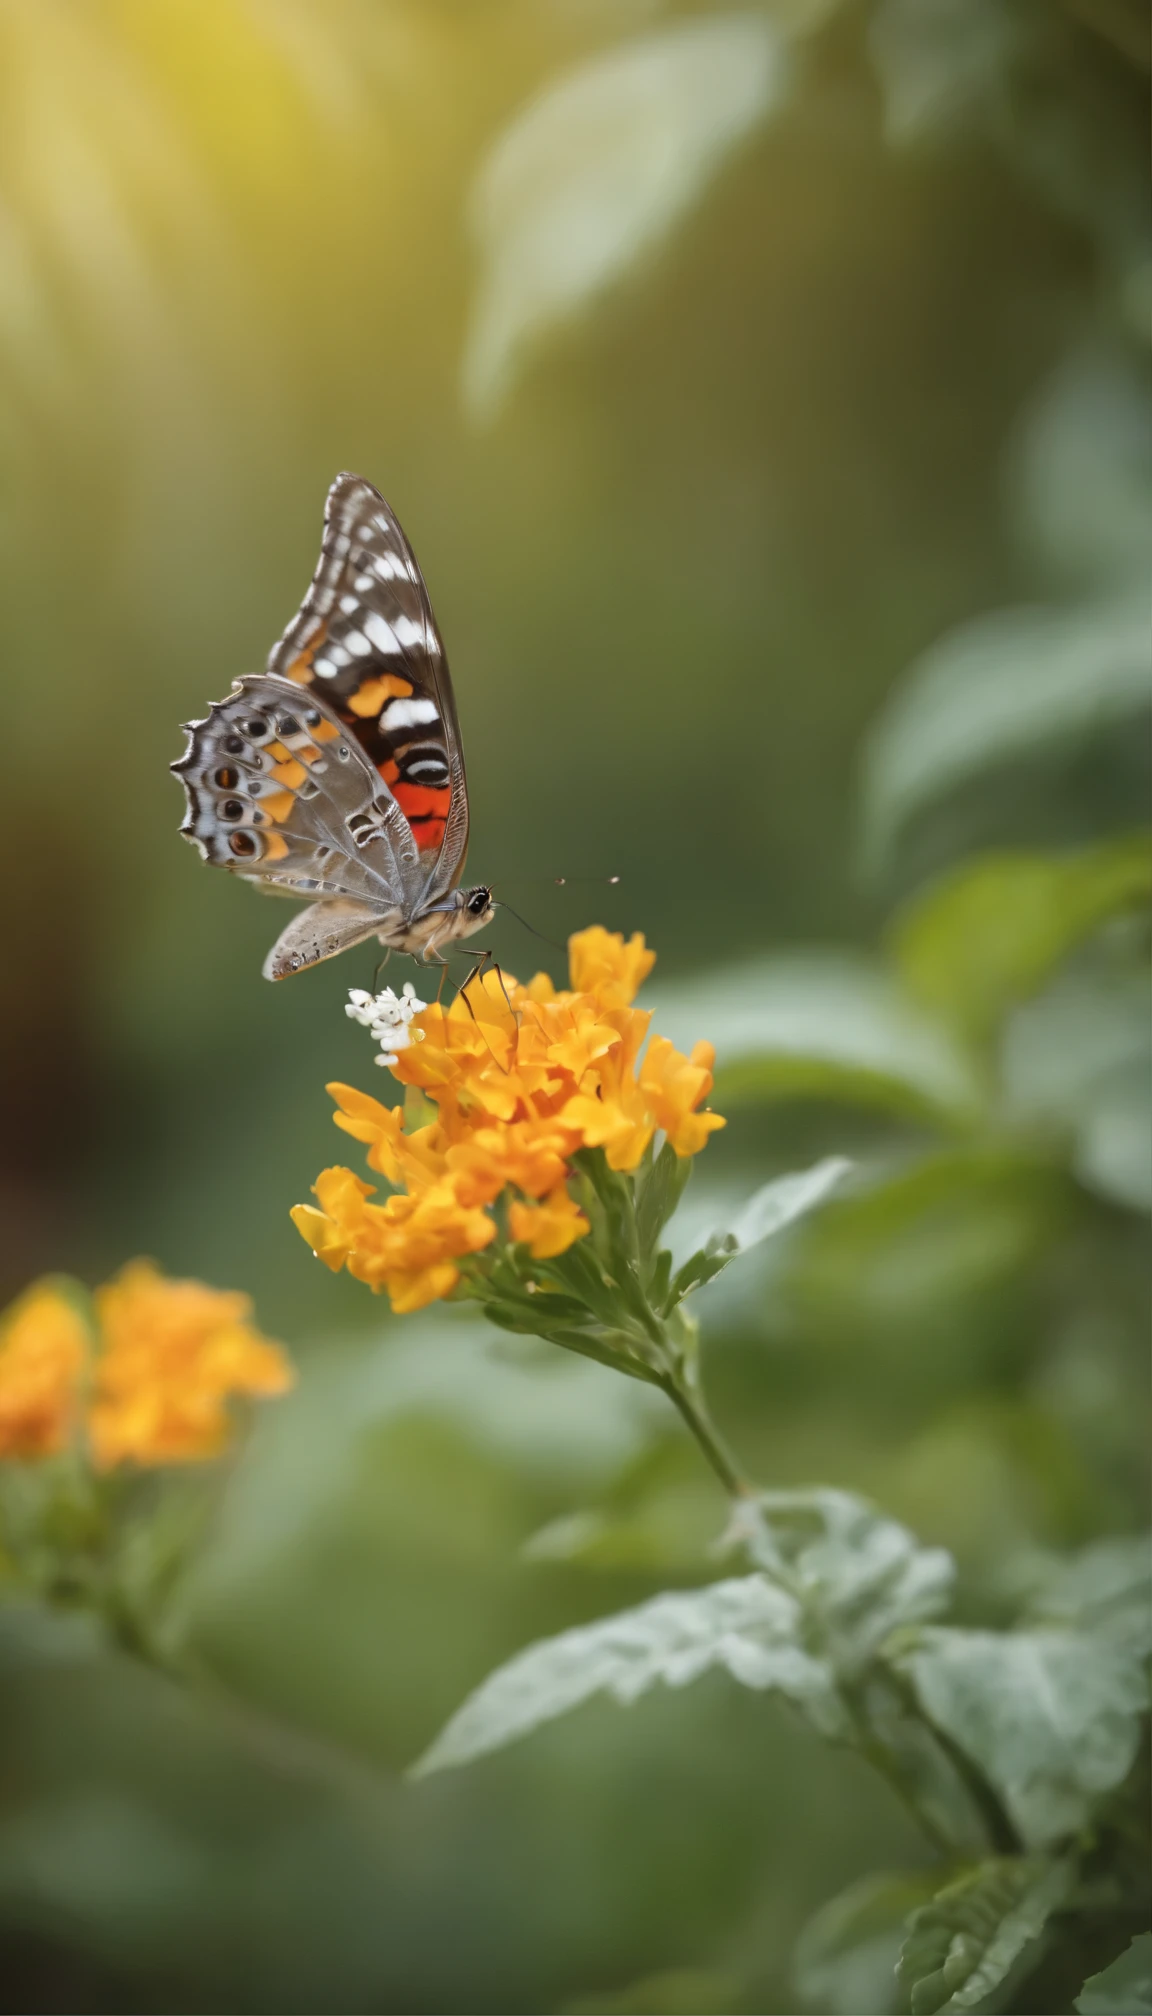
<point x="366" y="642"/>
<point x="319" y="932"/>
<point x="279" y="792"/>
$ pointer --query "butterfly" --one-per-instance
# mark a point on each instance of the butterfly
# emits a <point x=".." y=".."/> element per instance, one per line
<point x="337" y="773"/>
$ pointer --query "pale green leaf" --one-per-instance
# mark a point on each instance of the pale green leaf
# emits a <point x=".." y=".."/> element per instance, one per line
<point x="859" y="1575"/>
<point x="942" y="63"/>
<point x="1081" y="475"/>
<point x="1106" y="1588"/>
<point x="963" y="1944"/>
<point x="1124" y="1988"/>
<point x="1081" y="1056"/>
<point x="597" y="169"/>
<point x="1051" y="1717"/>
<point x="989" y="934"/>
<point x="823" y="1024"/>
<point x="745" y="1626"/>
<point x="892" y="1253"/>
<point x="846" y="1955"/>
<point x="773" y="1207"/>
<point x="997" y="690"/>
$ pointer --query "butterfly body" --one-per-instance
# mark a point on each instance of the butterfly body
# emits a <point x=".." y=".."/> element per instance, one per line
<point x="337" y="775"/>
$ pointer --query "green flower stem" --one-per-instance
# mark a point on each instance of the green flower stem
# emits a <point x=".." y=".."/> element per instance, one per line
<point x="693" y="1412"/>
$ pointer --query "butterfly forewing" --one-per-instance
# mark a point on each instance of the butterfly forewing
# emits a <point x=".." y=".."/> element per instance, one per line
<point x="366" y="643"/>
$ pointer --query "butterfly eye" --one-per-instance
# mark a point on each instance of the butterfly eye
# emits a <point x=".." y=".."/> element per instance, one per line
<point x="232" y="808"/>
<point x="243" y="843"/>
<point x="226" y="779"/>
<point x="257" y="728"/>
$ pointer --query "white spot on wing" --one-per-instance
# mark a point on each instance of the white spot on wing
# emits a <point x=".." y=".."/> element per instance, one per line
<point x="381" y="633"/>
<point x="356" y="642"/>
<point x="409" y="713"/>
<point x="407" y="631"/>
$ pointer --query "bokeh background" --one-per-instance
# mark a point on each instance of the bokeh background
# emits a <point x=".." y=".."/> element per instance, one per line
<point x="719" y="365"/>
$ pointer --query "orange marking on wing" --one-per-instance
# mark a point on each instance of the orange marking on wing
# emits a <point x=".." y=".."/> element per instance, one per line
<point x="390" y="771"/>
<point x="374" y="692"/>
<point x="290" y="772"/>
<point x="426" y="811"/>
<point x="324" y="731"/>
<point x="278" y="752"/>
<point x="369" y="700"/>
<point x="278" y="806"/>
<point x="309" y="753"/>
<point x="300" y="670"/>
<point x="275" y="846"/>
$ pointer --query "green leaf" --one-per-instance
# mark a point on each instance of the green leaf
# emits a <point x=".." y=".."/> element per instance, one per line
<point x="1081" y="1057"/>
<point x="988" y="935"/>
<point x="846" y="1955"/>
<point x="597" y="169"/>
<point x="1106" y="1588"/>
<point x="1124" y="1988"/>
<point x="1081" y="475"/>
<point x="773" y="1207"/>
<point x="822" y="1025"/>
<point x="658" y="1193"/>
<point x="1051" y="1717"/>
<point x="913" y="1246"/>
<point x="998" y="690"/>
<point x="746" y="1626"/>
<point x="963" y="1944"/>
<point x="942" y="66"/>
<point x="859" y="1574"/>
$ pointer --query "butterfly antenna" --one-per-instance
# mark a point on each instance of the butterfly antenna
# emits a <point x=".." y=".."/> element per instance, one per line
<point x="501" y="905"/>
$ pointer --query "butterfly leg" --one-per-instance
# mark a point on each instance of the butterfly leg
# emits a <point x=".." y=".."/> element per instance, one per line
<point x="483" y="961"/>
<point x="431" y="959"/>
<point x="379" y="967"/>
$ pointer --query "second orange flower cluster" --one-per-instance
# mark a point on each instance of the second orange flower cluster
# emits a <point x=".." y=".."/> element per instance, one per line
<point x="140" y="1373"/>
<point x="521" y="1078"/>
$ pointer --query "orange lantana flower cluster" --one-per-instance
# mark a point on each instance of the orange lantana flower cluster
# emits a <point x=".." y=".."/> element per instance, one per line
<point x="147" y="1382"/>
<point x="520" y="1079"/>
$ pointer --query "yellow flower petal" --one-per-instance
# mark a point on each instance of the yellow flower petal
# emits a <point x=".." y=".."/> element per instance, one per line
<point x="519" y="1078"/>
<point x="44" y="1346"/>
<point x="548" y="1228"/>
<point x="601" y="963"/>
<point x="173" y="1353"/>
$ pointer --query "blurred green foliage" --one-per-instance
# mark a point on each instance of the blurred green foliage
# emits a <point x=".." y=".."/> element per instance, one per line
<point x="767" y="398"/>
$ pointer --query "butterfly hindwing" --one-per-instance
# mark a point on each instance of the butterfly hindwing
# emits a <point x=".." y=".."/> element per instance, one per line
<point x="280" y="793"/>
<point x="319" y="932"/>
<point x="366" y="643"/>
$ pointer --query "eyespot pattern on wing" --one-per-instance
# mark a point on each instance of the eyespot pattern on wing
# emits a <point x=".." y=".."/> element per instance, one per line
<point x="279" y="792"/>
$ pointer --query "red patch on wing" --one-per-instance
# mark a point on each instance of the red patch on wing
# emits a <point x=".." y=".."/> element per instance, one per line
<point x="425" y="810"/>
